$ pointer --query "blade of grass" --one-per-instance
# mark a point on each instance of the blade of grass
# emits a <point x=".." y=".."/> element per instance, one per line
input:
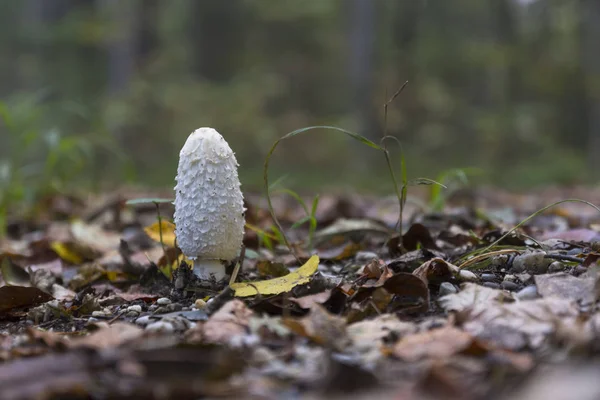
<point x="290" y="135"/>
<point x="541" y="210"/>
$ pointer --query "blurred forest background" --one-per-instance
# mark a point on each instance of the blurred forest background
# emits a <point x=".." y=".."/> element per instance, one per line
<point x="97" y="92"/>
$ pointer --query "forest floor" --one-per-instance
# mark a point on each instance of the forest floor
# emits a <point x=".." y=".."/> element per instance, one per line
<point x="461" y="306"/>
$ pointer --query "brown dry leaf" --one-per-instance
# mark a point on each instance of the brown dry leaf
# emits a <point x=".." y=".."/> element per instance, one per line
<point x="228" y="322"/>
<point x="308" y="302"/>
<point x="418" y="236"/>
<point x="19" y="296"/>
<point x="14" y="274"/>
<point x="511" y="325"/>
<point x="434" y="344"/>
<point x="94" y="237"/>
<point x="436" y="271"/>
<point x="472" y="295"/>
<point x="369" y="334"/>
<point x="108" y="336"/>
<point x="566" y="286"/>
<point x="322" y="327"/>
<point x="410" y="290"/>
<point x="342" y="252"/>
<point x="268" y="268"/>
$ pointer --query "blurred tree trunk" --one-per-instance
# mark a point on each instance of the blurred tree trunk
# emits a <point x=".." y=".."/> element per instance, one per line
<point x="121" y="44"/>
<point x="148" y="30"/>
<point x="216" y="56"/>
<point x="362" y="53"/>
<point x="121" y="49"/>
<point x="590" y="16"/>
<point x="504" y="79"/>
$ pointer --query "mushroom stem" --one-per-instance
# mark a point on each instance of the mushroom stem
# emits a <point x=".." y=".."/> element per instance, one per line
<point x="209" y="269"/>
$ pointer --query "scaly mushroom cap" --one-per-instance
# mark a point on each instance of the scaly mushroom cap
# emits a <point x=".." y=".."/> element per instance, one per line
<point x="209" y="205"/>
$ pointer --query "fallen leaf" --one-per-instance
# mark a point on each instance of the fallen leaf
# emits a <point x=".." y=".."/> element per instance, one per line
<point x="436" y="271"/>
<point x="321" y="327"/>
<point x="168" y="232"/>
<point x="271" y="269"/>
<point x="307" y="302"/>
<point x="108" y="336"/>
<point x="489" y="315"/>
<point x="438" y="343"/>
<point x="566" y="286"/>
<point x="229" y="322"/>
<point x="94" y="237"/>
<point x="473" y="294"/>
<point x="418" y="236"/>
<point x="13" y="274"/>
<point x="282" y="284"/>
<point x="342" y="252"/>
<point x="19" y="296"/>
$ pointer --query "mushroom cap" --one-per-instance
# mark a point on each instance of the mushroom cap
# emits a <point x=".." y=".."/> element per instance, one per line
<point x="209" y="205"/>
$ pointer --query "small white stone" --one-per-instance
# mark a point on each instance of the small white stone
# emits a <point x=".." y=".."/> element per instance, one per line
<point x="135" y="308"/>
<point x="200" y="304"/>
<point x="98" y="314"/>
<point x="163" y="301"/>
<point x="364" y="256"/>
<point x="468" y="276"/>
<point x="447" y="288"/>
<point x="161" y="326"/>
<point x="143" y="321"/>
<point x="527" y="293"/>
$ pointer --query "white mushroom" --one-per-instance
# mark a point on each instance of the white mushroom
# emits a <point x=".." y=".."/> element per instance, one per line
<point x="209" y="205"/>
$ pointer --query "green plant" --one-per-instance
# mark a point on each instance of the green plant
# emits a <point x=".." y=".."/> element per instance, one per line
<point x="310" y="216"/>
<point x="453" y="179"/>
<point x="36" y="161"/>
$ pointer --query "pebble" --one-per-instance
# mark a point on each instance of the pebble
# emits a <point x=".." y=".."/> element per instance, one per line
<point x="509" y="278"/>
<point x="492" y="285"/>
<point x="447" y="288"/>
<point x="163" y="301"/>
<point x="143" y="320"/>
<point x="152" y="307"/>
<point x="508" y="285"/>
<point x="533" y="262"/>
<point x="98" y="314"/>
<point x="135" y="308"/>
<point x="92" y="320"/>
<point x="580" y="269"/>
<point x="524" y="277"/>
<point x="161" y="326"/>
<point x="556" y="266"/>
<point x="363" y="256"/>
<point x="488" y="277"/>
<point x="468" y="276"/>
<point x="527" y="293"/>
<point x="200" y="304"/>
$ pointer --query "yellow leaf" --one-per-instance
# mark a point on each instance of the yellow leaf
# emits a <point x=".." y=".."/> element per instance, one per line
<point x="168" y="232"/>
<point x="67" y="252"/>
<point x="278" y="285"/>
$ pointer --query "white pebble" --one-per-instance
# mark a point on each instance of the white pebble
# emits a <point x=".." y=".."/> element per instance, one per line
<point x="468" y="276"/>
<point x="163" y="301"/>
<point x="527" y="293"/>
<point x="143" y="321"/>
<point x="135" y="308"/>
<point x="98" y="314"/>
<point x="161" y="326"/>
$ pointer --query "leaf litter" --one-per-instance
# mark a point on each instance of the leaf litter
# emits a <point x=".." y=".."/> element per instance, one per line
<point x="107" y="306"/>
